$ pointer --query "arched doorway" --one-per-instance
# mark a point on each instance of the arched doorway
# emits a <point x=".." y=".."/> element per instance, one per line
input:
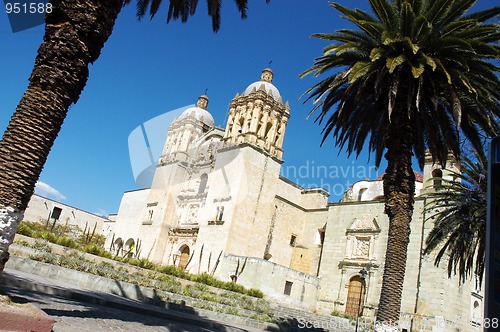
<point x="355" y="293"/>
<point x="184" y="257"/>
<point x="117" y="246"/>
<point x="128" y="250"/>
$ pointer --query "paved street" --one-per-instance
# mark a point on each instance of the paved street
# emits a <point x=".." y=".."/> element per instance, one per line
<point x="75" y="316"/>
<point x="80" y="310"/>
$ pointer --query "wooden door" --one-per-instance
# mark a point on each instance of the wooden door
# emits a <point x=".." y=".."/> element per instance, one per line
<point x="183" y="261"/>
<point x="354" y="294"/>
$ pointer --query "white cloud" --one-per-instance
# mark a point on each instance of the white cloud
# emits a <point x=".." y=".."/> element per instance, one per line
<point x="44" y="189"/>
<point x="102" y="213"/>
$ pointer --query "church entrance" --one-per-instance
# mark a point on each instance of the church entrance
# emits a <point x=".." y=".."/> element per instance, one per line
<point x="184" y="257"/>
<point x="355" y="293"/>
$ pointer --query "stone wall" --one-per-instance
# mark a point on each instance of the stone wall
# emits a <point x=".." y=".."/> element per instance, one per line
<point x="271" y="279"/>
<point x="356" y="238"/>
<point x="40" y="209"/>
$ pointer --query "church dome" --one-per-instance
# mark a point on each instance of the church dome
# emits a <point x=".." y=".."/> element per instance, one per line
<point x="199" y="112"/>
<point x="266" y="80"/>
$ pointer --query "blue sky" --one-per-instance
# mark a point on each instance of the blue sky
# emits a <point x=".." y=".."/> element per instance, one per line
<point x="148" y="68"/>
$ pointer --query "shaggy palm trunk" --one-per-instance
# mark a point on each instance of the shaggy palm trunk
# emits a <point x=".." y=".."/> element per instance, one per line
<point x="399" y="192"/>
<point x="75" y="33"/>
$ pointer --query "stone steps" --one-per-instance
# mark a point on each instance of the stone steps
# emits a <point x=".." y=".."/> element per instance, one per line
<point x="301" y="320"/>
<point x="288" y="319"/>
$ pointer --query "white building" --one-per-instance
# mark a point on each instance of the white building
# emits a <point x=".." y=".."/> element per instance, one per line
<point x="218" y="204"/>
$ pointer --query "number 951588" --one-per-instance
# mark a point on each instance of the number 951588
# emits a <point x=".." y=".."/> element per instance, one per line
<point x="28" y="8"/>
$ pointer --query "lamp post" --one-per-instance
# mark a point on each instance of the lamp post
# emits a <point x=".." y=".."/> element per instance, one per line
<point x="363" y="274"/>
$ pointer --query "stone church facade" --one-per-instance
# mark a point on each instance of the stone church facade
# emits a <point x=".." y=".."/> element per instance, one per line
<point x="217" y="204"/>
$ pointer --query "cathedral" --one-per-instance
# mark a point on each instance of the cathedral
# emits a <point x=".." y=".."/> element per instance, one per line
<point x="218" y="205"/>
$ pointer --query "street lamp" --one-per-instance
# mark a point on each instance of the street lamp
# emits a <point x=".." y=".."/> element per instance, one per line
<point x="363" y="274"/>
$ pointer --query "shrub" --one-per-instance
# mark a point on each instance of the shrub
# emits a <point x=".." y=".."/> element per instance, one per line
<point x="232" y="311"/>
<point x="208" y="297"/>
<point x="24" y="229"/>
<point x="133" y="261"/>
<point x="61" y="230"/>
<point x="97" y="250"/>
<point x="172" y="270"/>
<point x="23" y="243"/>
<point x="255" y="293"/>
<point x="66" y="241"/>
<point x="207" y="279"/>
<point x="234" y="287"/>
<point x="146" y="264"/>
<point x="49" y="236"/>
<point x="41" y="246"/>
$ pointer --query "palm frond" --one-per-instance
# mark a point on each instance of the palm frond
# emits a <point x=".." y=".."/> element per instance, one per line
<point x="442" y="57"/>
<point x="183" y="9"/>
<point x="458" y="212"/>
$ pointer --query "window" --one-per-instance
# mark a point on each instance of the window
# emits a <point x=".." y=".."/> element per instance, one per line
<point x="437" y="174"/>
<point x="148" y="219"/>
<point x="203" y="183"/>
<point x="268" y="129"/>
<point x="220" y="213"/>
<point x="321" y="236"/>
<point x="56" y="213"/>
<point x="293" y="240"/>
<point x="288" y="288"/>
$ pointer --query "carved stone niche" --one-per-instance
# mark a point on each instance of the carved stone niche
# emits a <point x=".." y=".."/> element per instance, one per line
<point x="362" y="239"/>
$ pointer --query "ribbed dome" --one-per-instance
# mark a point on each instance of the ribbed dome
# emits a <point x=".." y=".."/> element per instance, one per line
<point x="269" y="88"/>
<point x="266" y="80"/>
<point x="199" y="112"/>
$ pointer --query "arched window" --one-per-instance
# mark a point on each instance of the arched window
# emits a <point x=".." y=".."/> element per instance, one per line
<point x="269" y="125"/>
<point x="184" y="257"/>
<point x="476" y="316"/>
<point x="241" y="124"/>
<point x="203" y="183"/>
<point x="437" y="174"/>
<point x="355" y="297"/>
<point x="278" y="134"/>
<point x="260" y="123"/>
<point x="129" y="248"/>
<point x="220" y="213"/>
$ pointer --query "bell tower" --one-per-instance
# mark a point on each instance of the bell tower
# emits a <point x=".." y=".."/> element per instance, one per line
<point x="258" y="116"/>
<point x="191" y="124"/>
<point x="434" y="173"/>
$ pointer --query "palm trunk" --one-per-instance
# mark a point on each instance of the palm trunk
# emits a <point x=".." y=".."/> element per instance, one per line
<point x="399" y="192"/>
<point x="75" y="33"/>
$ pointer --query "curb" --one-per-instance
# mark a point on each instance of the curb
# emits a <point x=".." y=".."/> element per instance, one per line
<point x="23" y="317"/>
<point x="15" y="276"/>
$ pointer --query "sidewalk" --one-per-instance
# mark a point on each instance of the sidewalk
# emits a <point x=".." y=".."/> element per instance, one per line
<point x="80" y="309"/>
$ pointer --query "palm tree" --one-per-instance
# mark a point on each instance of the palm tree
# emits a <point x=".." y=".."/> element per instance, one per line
<point x="75" y="33"/>
<point x="458" y="211"/>
<point x="417" y="74"/>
